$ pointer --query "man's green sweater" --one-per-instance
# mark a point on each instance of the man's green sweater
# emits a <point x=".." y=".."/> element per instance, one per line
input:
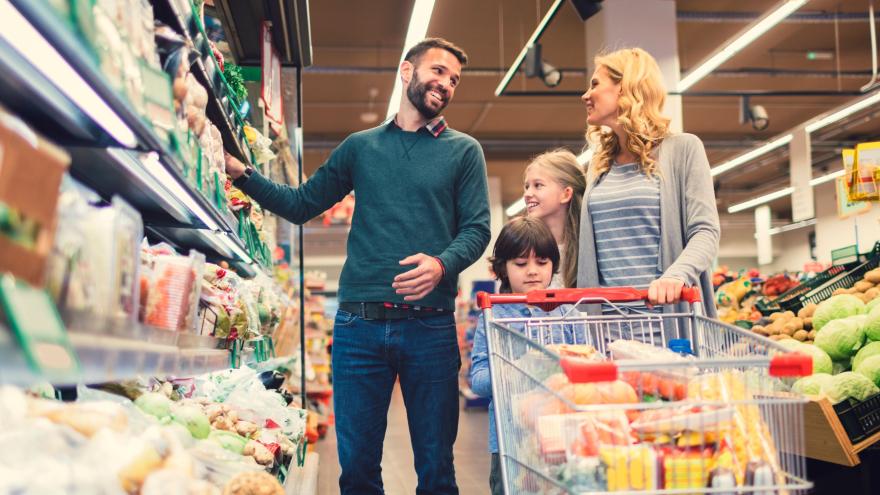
<point x="414" y="193"/>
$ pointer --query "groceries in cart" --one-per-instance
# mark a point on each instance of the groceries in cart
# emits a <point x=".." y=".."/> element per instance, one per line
<point x="701" y="408"/>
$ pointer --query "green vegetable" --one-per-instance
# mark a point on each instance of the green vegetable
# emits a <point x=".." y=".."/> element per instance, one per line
<point x="851" y="385"/>
<point x="230" y="441"/>
<point x="835" y="308"/>
<point x="821" y="360"/>
<point x="870" y="349"/>
<point x="838" y="367"/>
<point x="194" y="420"/>
<point x="232" y="74"/>
<point x="817" y="384"/>
<point x="872" y="322"/>
<point x="869" y="367"/>
<point x="154" y="404"/>
<point x="840" y="338"/>
<point x="873" y="303"/>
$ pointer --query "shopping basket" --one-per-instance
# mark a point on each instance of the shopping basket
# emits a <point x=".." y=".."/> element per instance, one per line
<point x="719" y="419"/>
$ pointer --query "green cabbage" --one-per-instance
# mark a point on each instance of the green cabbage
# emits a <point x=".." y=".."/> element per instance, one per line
<point x="873" y="303"/>
<point x="230" y="441"/>
<point x="840" y="338"/>
<point x="870" y="349"/>
<point x="835" y="308"/>
<point x="872" y="323"/>
<point x="870" y="367"/>
<point x="817" y="384"/>
<point x="849" y="384"/>
<point x="821" y="360"/>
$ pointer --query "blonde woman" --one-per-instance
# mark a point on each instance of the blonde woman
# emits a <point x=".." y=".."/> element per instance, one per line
<point x="553" y="192"/>
<point x="649" y="218"/>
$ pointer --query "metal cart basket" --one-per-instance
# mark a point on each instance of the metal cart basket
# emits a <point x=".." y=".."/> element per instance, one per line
<point x="714" y="416"/>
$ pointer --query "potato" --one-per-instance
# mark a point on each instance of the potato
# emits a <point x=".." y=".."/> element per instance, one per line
<point x="808" y="323"/>
<point x="795" y="323"/>
<point x="864" y="297"/>
<point x="812" y="335"/>
<point x="777" y="316"/>
<point x="809" y="309"/>
<point x="863" y="285"/>
<point x="787" y="330"/>
<point x="773" y="330"/>
<point x="788" y="315"/>
<point x="761" y="331"/>
<point x="800" y="335"/>
<point x="873" y="293"/>
<point x="873" y="276"/>
<point x="839" y="291"/>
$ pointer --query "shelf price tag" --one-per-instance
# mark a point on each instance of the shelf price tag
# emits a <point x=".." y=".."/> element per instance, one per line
<point x="35" y="321"/>
<point x="271" y="69"/>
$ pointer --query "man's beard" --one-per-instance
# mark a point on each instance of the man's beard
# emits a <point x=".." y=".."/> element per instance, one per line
<point x="417" y="92"/>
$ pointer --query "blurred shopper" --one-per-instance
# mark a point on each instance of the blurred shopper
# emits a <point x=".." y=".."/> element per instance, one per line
<point x="422" y="200"/>
<point x="649" y="216"/>
<point x="553" y="191"/>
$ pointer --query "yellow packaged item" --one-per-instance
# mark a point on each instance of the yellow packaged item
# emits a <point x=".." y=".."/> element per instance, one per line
<point x="630" y="468"/>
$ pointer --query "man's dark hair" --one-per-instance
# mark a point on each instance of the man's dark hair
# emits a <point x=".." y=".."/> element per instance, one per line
<point x="517" y="239"/>
<point x="416" y="52"/>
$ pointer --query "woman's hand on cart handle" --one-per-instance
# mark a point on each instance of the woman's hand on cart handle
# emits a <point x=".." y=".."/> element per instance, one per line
<point x="667" y="290"/>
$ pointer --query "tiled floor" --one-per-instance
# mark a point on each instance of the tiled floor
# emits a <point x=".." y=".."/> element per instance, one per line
<point x="398" y="474"/>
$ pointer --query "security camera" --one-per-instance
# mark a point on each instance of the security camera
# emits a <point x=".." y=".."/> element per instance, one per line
<point x="550" y="75"/>
<point x="759" y="118"/>
<point x="753" y="114"/>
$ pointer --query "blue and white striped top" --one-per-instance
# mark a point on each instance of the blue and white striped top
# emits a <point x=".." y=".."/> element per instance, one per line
<point x="625" y="210"/>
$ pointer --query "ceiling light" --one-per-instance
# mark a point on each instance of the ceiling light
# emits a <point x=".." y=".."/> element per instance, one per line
<point x="793" y="226"/>
<point x="750" y="155"/>
<point x="844" y="112"/>
<point x="826" y="178"/>
<point x="760" y="200"/>
<point x="418" y="27"/>
<point x="535" y="66"/>
<point x="747" y="36"/>
<point x="754" y="114"/>
<point x="522" y="54"/>
<point x="27" y="41"/>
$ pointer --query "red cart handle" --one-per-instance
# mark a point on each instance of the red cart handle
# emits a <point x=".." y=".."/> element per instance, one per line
<point x="580" y="370"/>
<point x="792" y="364"/>
<point x="551" y="298"/>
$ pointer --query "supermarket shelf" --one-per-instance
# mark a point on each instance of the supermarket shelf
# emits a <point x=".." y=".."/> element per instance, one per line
<point x="221" y="111"/>
<point x="142" y="170"/>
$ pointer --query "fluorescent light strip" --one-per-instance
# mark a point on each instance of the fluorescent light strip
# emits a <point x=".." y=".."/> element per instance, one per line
<point x="843" y="112"/>
<point x="229" y="241"/>
<point x="751" y="155"/>
<point x="520" y="204"/>
<point x="27" y="41"/>
<point x="760" y="200"/>
<point x="750" y="34"/>
<point x="793" y="226"/>
<point x="826" y="178"/>
<point x="161" y="174"/>
<point x="127" y="160"/>
<point x="418" y="27"/>
<point x="522" y="54"/>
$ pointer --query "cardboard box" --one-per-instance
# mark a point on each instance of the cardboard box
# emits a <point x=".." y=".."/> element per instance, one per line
<point x="30" y="175"/>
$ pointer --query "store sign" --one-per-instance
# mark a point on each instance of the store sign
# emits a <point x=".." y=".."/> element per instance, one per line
<point x="271" y="90"/>
<point x="801" y="172"/>
<point x="845" y="207"/>
<point x="763" y="221"/>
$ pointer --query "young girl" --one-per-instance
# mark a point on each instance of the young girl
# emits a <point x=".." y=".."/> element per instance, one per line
<point x="554" y="188"/>
<point x="524" y="259"/>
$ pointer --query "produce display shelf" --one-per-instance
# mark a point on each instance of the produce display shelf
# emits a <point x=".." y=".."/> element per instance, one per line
<point x="827" y="439"/>
<point x="158" y="189"/>
<point x="842" y="280"/>
<point x="220" y="106"/>
<point x="303" y="480"/>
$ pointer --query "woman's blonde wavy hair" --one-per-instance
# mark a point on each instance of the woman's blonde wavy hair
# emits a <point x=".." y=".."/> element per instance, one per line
<point x="562" y="166"/>
<point x="639" y="110"/>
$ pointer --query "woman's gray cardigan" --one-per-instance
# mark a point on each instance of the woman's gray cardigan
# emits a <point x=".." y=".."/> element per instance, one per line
<point x="689" y="226"/>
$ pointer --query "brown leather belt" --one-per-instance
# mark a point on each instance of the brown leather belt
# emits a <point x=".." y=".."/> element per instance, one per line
<point x="378" y="311"/>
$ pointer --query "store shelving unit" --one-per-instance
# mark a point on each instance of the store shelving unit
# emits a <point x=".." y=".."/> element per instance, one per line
<point x="130" y="159"/>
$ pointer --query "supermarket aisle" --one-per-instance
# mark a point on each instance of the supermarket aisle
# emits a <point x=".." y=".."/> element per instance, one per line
<point x="398" y="474"/>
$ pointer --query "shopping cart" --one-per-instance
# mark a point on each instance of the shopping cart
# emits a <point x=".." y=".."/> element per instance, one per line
<point x="714" y="417"/>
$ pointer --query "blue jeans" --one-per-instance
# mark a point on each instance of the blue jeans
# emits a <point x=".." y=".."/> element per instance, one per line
<point x="367" y="357"/>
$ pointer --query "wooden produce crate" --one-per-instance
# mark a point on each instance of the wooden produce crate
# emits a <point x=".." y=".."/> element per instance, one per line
<point x="827" y="439"/>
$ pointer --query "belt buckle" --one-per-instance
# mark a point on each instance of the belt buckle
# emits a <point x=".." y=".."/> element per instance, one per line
<point x="364" y="311"/>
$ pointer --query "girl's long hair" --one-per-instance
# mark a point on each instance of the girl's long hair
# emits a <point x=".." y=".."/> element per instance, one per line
<point x="562" y="166"/>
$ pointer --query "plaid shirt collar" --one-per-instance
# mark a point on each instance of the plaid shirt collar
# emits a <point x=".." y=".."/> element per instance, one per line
<point x="435" y="126"/>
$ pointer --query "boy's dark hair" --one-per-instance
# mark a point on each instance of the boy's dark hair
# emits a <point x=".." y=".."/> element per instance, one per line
<point x="517" y="239"/>
<point x="416" y="52"/>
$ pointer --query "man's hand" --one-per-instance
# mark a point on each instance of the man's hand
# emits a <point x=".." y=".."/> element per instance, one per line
<point x="421" y="280"/>
<point x="665" y="290"/>
<point x="233" y="167"/>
